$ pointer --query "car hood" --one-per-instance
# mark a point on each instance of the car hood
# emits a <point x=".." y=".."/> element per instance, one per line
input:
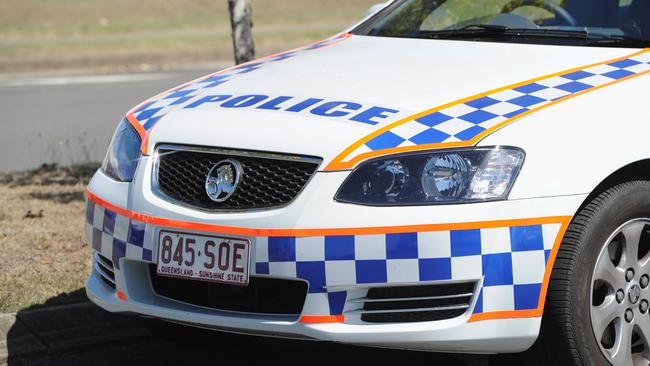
<point x="361" y="84"/>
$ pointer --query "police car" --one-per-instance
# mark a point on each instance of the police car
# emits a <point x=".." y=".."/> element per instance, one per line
<point x="459" y="176"/>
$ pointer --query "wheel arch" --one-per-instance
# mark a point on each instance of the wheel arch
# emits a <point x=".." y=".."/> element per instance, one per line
<point x="635" y="174"/>
<point x="637" y="170"/>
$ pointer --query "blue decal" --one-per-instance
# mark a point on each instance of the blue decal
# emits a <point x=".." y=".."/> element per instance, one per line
<point x="317" y="106"/>
<point x="244" y="101"/>
<point x="304" y="105"/>
<point x="369" y="116"/>
<point x="335" y="109"/>
<point x="273" y="105"/>
<point x="208" y="99"/>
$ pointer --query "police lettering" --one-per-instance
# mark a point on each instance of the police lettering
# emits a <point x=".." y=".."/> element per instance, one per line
<point x="315" y="106"/>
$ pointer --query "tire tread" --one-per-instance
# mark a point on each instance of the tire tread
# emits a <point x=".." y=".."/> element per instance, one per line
<point x="557" y="342"/>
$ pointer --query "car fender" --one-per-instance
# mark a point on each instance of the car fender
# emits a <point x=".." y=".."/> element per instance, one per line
<point x="575" y="145"/>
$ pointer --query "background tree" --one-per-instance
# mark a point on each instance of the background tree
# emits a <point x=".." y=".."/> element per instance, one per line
<point x="242" y="30"/>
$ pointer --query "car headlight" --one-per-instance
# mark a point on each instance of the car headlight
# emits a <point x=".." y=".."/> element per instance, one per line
<point x="434" y="177"/>
<point x="123" y="153"/>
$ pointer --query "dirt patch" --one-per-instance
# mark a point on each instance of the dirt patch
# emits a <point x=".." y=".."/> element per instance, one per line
<point x="42" y="253"/>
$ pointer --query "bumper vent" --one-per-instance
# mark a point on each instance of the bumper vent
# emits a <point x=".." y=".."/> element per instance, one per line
<point x="405" y="304"/>
<point x="104" y="267"/>
<point x="262" y="296"/>
<point x="267" y="180"/>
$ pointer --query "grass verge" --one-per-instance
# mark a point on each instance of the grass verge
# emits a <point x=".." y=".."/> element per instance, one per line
<point x="123" y="35"/>
<point x="42" y="253"/>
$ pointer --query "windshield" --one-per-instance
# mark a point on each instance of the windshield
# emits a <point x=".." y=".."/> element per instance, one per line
<point x="615" y="23"/>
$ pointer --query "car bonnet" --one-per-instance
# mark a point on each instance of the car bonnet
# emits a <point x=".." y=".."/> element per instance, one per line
<point x="349" y="98"/>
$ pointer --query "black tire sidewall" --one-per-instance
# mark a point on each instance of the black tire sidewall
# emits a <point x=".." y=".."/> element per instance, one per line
<point x="611" y="209"/>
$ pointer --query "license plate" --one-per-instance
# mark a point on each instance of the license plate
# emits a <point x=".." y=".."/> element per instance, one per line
<point x="203" y="257"/>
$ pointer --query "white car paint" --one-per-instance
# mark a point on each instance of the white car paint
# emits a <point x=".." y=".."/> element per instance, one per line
<point x="570" y="148"/>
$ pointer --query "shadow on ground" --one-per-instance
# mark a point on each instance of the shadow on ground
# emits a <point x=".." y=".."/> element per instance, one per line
<point x="68" y="330"/>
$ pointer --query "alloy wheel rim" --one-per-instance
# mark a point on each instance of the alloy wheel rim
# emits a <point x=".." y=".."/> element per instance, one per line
<point x="620" y="295"/>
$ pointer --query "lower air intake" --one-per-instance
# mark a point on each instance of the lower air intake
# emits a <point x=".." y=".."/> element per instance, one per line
<point x="407" y="304"/>
<point x="104" y="267"/>
<point x="262" y="295"/>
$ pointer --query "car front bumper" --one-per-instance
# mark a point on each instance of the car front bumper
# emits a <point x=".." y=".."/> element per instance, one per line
<point x="342" y="251"/>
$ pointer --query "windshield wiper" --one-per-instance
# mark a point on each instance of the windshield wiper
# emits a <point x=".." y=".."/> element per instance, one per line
<point x="477" y="30"/>
<point x="485" y="27"/>
<point x="593" y="39"/>
<point x="617" y="40"/>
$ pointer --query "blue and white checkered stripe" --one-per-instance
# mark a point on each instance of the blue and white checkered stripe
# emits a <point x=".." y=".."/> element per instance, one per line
<point x="116" y="236"/>
<point x="151" y="112"/>
<point x="511" y="261"/>
<point x="464" y="121"/>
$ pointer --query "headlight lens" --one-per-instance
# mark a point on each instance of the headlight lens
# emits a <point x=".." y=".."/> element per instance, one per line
<point x="452" y="176"/>
<point x="123" y="153"/>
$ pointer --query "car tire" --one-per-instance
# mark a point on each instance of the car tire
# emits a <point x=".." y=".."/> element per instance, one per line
<point x="577" y="295"/>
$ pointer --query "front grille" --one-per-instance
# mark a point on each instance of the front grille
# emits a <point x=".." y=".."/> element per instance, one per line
<point x="405" y="304"/>
<point x="104" y="267"/>
<point x="262" y="295"/>
<point x="267" y="180"/>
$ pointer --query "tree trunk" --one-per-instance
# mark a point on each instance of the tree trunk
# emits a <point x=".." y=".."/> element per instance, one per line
<point x="242" y="30"/>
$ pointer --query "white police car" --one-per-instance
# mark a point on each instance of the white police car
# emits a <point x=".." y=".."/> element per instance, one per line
<point x="462" y="176"/>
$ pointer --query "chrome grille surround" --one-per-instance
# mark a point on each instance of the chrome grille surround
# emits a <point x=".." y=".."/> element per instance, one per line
<point x="269" y="180"/>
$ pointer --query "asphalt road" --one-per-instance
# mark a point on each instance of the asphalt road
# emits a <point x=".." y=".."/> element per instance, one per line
<point x="69" y="120"/>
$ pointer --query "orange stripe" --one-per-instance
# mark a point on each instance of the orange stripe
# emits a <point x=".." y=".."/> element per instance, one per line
<point x="339" y="164"/>
<point x="131" y="116"/>
<point x="318" y="319"/>
<point x="121" y="295"/>
<point x="550" y="264"/>
<point x="233" y="230"/>
<point x="236" y="230"/>
<point x="145" y="143"/>
<point x="138" y="127"/>
<point x="117" y="209"/>
<point x="506" y="315"/>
